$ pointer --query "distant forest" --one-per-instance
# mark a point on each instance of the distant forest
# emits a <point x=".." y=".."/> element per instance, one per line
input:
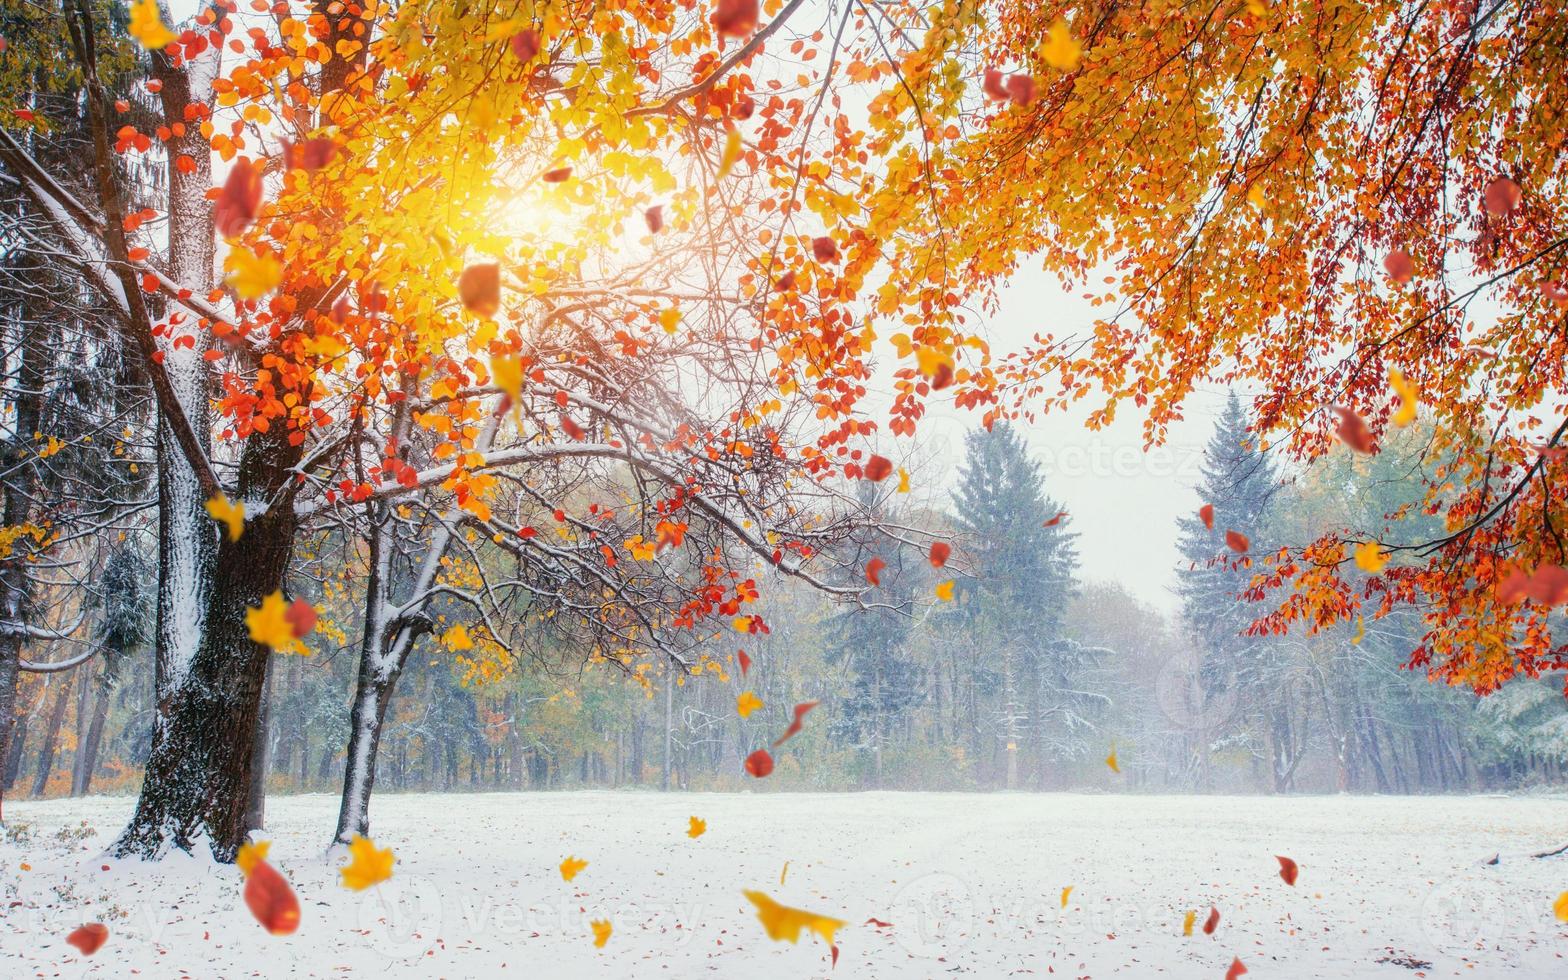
<point x="1027" y="680"/>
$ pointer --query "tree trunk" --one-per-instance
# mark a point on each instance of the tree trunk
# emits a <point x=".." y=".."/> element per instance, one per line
<point x="197" y="784"/>
<point x="256" y="805"/>
<point x="62" y="700"/>
<point x="88" y="750"/>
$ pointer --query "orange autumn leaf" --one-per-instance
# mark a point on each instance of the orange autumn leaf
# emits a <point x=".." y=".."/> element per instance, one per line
<point x="1501" y="196"/>
<point x="1287" y="869"/>
<point x="1548" y="585"/>
<point x="1066" y="894"/>
<point x="271" y="899"/>
<point x="1560" y="907"/>
<point x="1113" y="763"/>
<point x="747" y="703"/>
<point x="570" y="866"/>
<point x="735" y="18"/>
<point x="697" y="827"/>
<point x="301" y="617"/>
<point x="1206" y="515"/>
<point x="654" y="217"/>
<point x="557" y="175"/>
<point x="940" y="550"/>
<point x="1212" y="922"/>
<point x="1353" y="432"/>
<point x="89" y="938"/>
<point x="1237" y="542"/>
<point x="269" y="625"/>
<point x="759" y="763"/>
<point x="874" y="571"/>
<point x="525" y="44"/>
<point x="240" y="199"/>
<point x="944" y="591"/>
<point x="1399" y="265"/>
<point x="601" y="932"/>
<point x="785" y="924"/>
<point x="878" y="468"/>
<point x="479" y="288"/>
<point x="745" y="662"/>
<point x="1236" y="969"/>
<point x="824" y="249"/>
<point x="1061" y="50"/>
<point x="251" y="853"/>
<point x="796" y="723"/>
<point x="1055" y="520"/>
<point x="572" y="429"/>
<point x="1187" y="922"/>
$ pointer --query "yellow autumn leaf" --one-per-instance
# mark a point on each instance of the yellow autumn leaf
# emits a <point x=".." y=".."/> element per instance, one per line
<point x="457" y="638"/>
<point x="1560" y="907"/>
<point x="784" y="873"/>
<point x="903" y="480"/>
<point x="741" y="624"/>
<point x="670" y="318"/>
<point x="1370" y="557"/>
<point x="368" y="865"/>
<point x="746" y="704"/>
<point x="148" y="28"/>
<point x="228" y="513"/>
<point x="1066" y="893"/>
<point x="1110" y="761"/>
<point x="571" y="866"/>
<point x="601" y="932"/>
<point x="784" y="923"/>
<point x="1361" y="632"/>
<point x="269" y="625"/>
<point x="944" y="591"/>
<point x="507" y="372"/>
<point x="251" y="854"/>
<point x="1187" y="921"/>
<point x="252" y="276"/>
<point x="1255" y="197"/>
<point x="930" y="360"/>
<point x="731" y="153"/>
<point x="698" y="827"/>
<point x="1061" y="51"/>
<point x="1409" y="398"/>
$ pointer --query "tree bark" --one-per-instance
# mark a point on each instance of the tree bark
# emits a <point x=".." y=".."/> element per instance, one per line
<point x="88" y="749"/>
<point x="46" y="752"/>
<point x="256" y="806"/>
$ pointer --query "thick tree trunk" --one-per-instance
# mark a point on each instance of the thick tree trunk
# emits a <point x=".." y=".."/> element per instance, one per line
<point x="46" y="752"/>
<point x="371" y="698"/>
<point x="197" y="784"/>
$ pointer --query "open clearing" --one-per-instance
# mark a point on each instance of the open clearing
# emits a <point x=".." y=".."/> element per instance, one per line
<point x="971" y="884"/>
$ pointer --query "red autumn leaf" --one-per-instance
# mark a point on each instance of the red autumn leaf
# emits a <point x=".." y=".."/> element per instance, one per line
<point x="120" y="105"/>
<point x="239" y="200"/>
<point x="1353" y="431"/>
<point x="317" y="153"/>
<point x="992" y="85"/>
<point x="479" y="287"/>
<point x="874" y="571"/>
<point x="736" y="18"/>
<point x="1399" y="266"/>
<point x="1020" y="88"/>
<point x="1206" y="515"/>
<point x="878" y="468"/>
<point x="940" y="550"/>
<point x="943" y="376"/>
<point x="655" y="218"/>
<point x="1556" y="292"/>
<point x="786" y="282"/>
<point x="1501" y="196"/>
<point x="834" y="948"/>
<point x="340" y="310"/>
<point x="824" y="249"/>
<point x="743" y="107"/>
<point x="1237" y="542"/>
<point x="795" y="725"/>
<point x="271" y="900"/>
<point x="1055" y="520"/>
<point x="1287" y="869"/>
<point x="1212" y="922"/>
<point x="745" y="663"/>
<point x="759" y="763"/>
<point x="1548" y="585"/>
<point x="878" y="923"/>
<point x="556" y="176"/>
<point x="572" y="429"/>
<point x="89" y="938"/>
<point x="301" y="617"/>
<point x="525" y="44"/>
<point x="1237" y="968"/>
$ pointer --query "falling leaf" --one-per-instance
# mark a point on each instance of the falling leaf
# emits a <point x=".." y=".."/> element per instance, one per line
<point x="571" y="866"/>
<point x="1548" y="585"/>
<point x="1361" y="632"/>
<point x="878" y="468"/>
<point x="601" y="932"/>
<point x="240" y="199"/>
<point x="903" y="480"/>
<point x="783" y="873"/>
<point x="1370" y="557"/>
<point x="301" y="616"/>
<point x="1409" y="399"/>
<point x="759" y="763"/>
<point x="731" y="153"/>
<point x="1501" y="196"/>
<point x="311" y="155"/>
<point x="456" y="638"/>
<point x="1187" y="921"/>
<point x="572" y="429"/>
<point x="1237" y="542"/>
<point x="557" y="175"/>
<point x="746" y="704"/>
<point x="1212" y="922"/>
<point x="1353" y="431"/>
<point x="479" y="288"/>
<point x="89" y="938"/>
<point x="874" y="571"/>
<point x="232" y="515"/>
<point x="698" y="827"/>
<point x="1560" y="907"/>
<point x="944" y="591"/>
<point x="1236" y="969"/>
<point x="1020" y="89"/>
<point x="1206" y="515"/>
<point x="269" y="625"/>
<point x="824" y="249"/>
<point x="1287" y="869"/>
<point x="670" y="318"/>
<point x="525" y="44"/>
<point x="271" y="900"/>
<point x="1066" y="893"/>
<point x="251" y="853"/>
<point x="1061" y="51"/>
<point x="1114" y="765"/>
<point x="876" y="923"/>
<point x="1556" y="292"/>
<point x="654" y="216"/>
<point x="784" y="923"/>
<point x="368" y="865"/>
<point x="796" y="723"/>
<point x="252" y="275"/>
<point x="991" y="84"/>
<point x="735" y="18"/>
<point x="745" y="662"/>
<point x="1399" y="265"/>
<point x="1055" y="520"/>
<point x="940" y="550"/>
<point x="148" y="28"/>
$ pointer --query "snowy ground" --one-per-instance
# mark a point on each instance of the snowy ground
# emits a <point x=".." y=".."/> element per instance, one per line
<point x="971" y="885"/>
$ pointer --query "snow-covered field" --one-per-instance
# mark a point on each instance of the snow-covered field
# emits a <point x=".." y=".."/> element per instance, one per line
<point x="971" y="884"/>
